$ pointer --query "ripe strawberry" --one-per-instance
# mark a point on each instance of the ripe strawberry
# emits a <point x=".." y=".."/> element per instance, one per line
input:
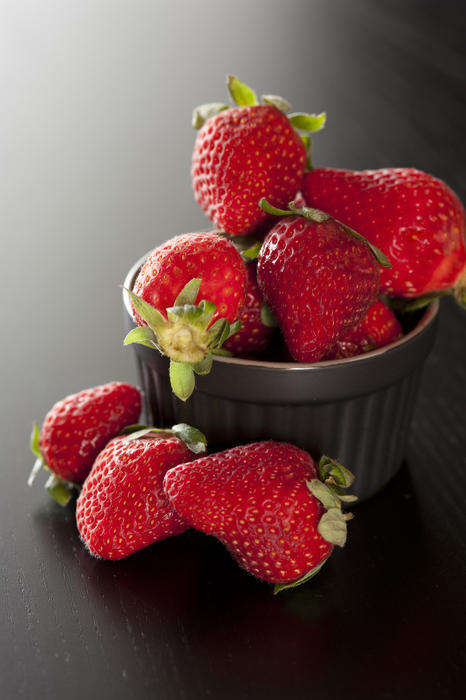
<point x="416" y="219"/>
<point x="254" y="335"/>
<point x="247" y="152"/>
<point x="186" y="268"/>
<point x="378" y="328"/>
<point x="266" y="504"/>
<point x="76" y="429"/>
<point x="319" y="279"/>
<point x="122" y="507"/>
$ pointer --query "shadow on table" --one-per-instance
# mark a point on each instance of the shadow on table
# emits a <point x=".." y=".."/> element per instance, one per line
<point x="188" y="600"/>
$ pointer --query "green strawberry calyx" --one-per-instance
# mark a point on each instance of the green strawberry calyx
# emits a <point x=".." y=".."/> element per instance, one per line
<point x="192" y="437"/>
<point x="329" y="489"/>
<point x="316" y="216"/>
<point x="60" y="489"/>
<point x="244" y="96"/>
<point x="185" y="336"/>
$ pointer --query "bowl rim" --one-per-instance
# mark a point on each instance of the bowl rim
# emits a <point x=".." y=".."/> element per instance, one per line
<point x="430" y="313"/>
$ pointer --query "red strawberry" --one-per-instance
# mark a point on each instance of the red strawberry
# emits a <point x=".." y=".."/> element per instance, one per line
<point x="175" y="276"/>
<point x="77" y="428"/>
<point x="245" y="153"/>
<point x="263" y="501"/>
<point x="416" y="219"/>
<point x="254" y="335"/>
<point x="122" y="507"/>
<point x="378" y="328"/>
<point x="318" y="278"/>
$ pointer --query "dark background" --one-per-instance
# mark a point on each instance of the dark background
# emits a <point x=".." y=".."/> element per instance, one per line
<point x="95" y="146"/>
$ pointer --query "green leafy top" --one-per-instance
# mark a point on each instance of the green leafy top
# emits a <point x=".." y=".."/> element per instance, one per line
<point x="329" y="489"/>
<point x="60" y="489"/>
<point x="186" y="335"/>
<point x="317" y="216"/>
<point x="244" y="96"/>
<point x="192" y="437"/>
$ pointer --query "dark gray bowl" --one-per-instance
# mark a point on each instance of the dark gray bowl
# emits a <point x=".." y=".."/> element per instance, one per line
<point x="357" y="410"/>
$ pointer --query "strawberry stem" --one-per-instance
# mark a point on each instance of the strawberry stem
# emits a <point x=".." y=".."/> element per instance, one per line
<point x="270" y="209"/>
<point x="317" y="216"/>
<point x="186" y="335"/>
<point x="38" y="466"/>
<point x="192" y="437"/>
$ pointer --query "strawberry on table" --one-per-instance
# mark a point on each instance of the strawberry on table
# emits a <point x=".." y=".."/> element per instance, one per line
<point x="186" y="300"/>
<point x="378" y="328"/>
<point x="318" y="277"/>
<point x="247" y="152"/>
<point x="122" y="507"/>
<point x="268" y="503"/>
<point x="76" y="429"/>
<point x="415" y="218"/>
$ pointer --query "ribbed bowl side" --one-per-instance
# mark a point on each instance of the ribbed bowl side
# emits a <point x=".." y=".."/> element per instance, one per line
<point x="367" y="434"/>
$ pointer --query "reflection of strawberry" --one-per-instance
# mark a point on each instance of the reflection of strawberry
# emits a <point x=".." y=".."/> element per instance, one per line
<point x="245" y="153"/>
<point x="122" y="507"/>
<point x="416" y="219"/>
<point x="253" y="336"/>
<point x="264" y="501"/>
<point x="77" y="428"/>
<point x="378" y="328"/>
<point x="318" y="278"/>
<point x="194" y="268"/>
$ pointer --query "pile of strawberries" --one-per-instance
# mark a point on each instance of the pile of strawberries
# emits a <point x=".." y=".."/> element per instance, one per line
<point x="318" y="253"/>
<point x="276" y="510"/>
<point x="313" y="260"/>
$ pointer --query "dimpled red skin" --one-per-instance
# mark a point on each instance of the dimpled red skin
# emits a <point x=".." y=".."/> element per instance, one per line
<point x="122" y="507"/>
<point x="241" y="155"/>
<point x="319" y="281"/>
<point x="79" y="426"/>
<point x="378" y="328"/>
<point x="253" y="337"/>
<point x="414" y="218"/>
<point x="254" y="499"/>
<point x="206" y="256"/>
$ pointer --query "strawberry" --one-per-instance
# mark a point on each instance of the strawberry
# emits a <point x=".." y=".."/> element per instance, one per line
<point x="318" y="277"/>
<point x="76" y="429"/>
<point x="182" y="270"/>
<point x="265" y="502"/>
<point x="416" y="219"/>
<point x="247" y="152"/>
<point x="122" y="507"/>
<point x="378" y="328"/>
<point x="256" y="327"/>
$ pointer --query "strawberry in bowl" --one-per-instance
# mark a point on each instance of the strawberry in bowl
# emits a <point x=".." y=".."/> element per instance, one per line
<point x="246" y="152"/>
<point x="415" y="218"/>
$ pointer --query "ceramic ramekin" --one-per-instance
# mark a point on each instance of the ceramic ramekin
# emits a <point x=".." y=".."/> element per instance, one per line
<point x="356" y="410"/>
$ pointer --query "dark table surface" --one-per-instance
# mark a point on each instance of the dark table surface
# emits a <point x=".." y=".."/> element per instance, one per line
<point x="96" y="144"/>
